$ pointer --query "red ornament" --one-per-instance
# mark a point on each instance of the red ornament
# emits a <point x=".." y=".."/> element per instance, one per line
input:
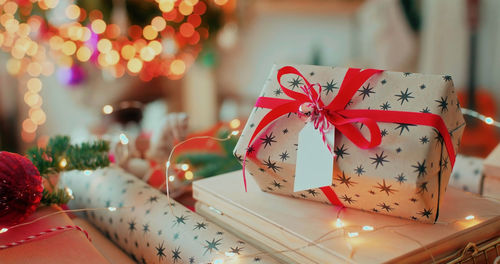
<point x="20" y="188"/>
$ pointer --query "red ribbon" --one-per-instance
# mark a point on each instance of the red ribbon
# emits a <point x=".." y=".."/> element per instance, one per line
<point x="344" y="119"/>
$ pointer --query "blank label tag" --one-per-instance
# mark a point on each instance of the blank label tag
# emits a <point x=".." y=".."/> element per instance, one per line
<point x="314" y="167"/>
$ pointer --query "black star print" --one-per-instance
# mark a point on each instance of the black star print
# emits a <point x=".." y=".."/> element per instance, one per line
<point x="425" y="110"/>
<point x="212" y="245"/>
<point x="330" y="86"/>
<point x="284" y="156"/>
<point x="252" y="125"/>
<point x="153" y="199"/>
<point x="385" y="206"/>
<point x="371" y="192"/>
<point x="285" y="130"/>
<point x="271" y="165"/>
<point x="191" y="260"/>
<point x="384" y="132"/>
<point x="268" y="140"/>
<point x="379" y="159"/>
<point x="312" y="73"/>
<point x="303" y="195"/>
<point x="295" y="82"/>
<point x="404" y="96"/>
<point x="385" y="188"/>
<point x="347" y="199"/>
<point x="236" y="250"/>
<point x="176" y="255"/>
<point x="239" y="157"/>
<point x="445" y="165"/>
<point x="398" y="150"/>
<point x="406" y="74"/>
<point x="200" y="225"/>
<point x="447" y="78"/>
<point x="277" y="92"/>
<point x="423" y="187"/>
<point x="160" y="251"/>
<point x="375" y="210"/>
<point x="340" y="152"/>
<point x="277" y="184"/>
<point x="256" y="259"/>
<point x="443" y="104"/>
<point x="383" y="81"/>
<point x="422" y="86"/>
<point x="250" y="149"/>
<point x="312" y="192"/>
<point x="385" y="106"/>
<point x="366" y="91"/>
<point x="145" y="228"/>
<point x="359" y="170"/>
<point x="180" y="219"/>
<point x="345" y="180"/>
<point x="425" y="212"/>
<point x="424" y="140"/>
<point x="420" y="168"/>
<point x="400" y="178"/>
<point x="413" y="200"/>
<point x="131" y="225"/>
<point x="403" y="127"/>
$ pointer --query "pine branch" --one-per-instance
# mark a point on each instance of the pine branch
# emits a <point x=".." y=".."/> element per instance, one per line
<point x="59" y="155"/>
<point x="58" y="196"/>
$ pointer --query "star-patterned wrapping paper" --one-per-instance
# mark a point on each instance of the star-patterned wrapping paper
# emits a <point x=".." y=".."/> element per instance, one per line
<point x="468" y="174"/>
<point x="149" y="229"/>
<point x="405" y="176"/>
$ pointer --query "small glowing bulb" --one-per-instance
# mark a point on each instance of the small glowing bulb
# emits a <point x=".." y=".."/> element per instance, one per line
<point x="353" y="234"/>
<point x="235" y="133"/>
<point x="230" y="254"/>
<point x="69" y="192"/>
<point x="368" y="228"/>
<point x="488" y="120"/>
<point x="235" y="123"/>
<point x="189" y="175"/>
<point x="339" y="223"/>
<point x="219" y="261"/>
<point x="63" y="163"/>
<point x="469" y="217"/>
<point x="3" y="230"/>
<point x="171" y="178"/>
<point x="111" y="208"/>
<point x="185" y="167"/>
<point x="87" y="172"/>
<point x="123" y="139"/>
<point x="107" y="109"/>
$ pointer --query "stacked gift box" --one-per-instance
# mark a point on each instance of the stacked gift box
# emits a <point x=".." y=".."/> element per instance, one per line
<point x="385" y="145"/>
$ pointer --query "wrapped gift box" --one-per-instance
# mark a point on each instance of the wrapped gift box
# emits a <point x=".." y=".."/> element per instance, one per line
<point x="69" y="246"/>
<point x="406" y="175"/>
<point x="301" y="231"/>
<point x="491" y="181"/>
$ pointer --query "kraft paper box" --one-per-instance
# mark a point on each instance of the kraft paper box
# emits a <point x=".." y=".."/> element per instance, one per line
<point x="406" y="175"/>
<point x="65" y="246"/>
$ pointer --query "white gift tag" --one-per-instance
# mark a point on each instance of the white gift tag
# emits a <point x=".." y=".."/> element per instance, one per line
<point x="314" y="167"/>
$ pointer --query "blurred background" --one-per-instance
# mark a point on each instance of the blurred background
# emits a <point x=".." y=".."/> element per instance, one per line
<point x="91" y="68"/>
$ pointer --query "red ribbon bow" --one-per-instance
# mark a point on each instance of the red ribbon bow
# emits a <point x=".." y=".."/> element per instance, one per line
<point x="344" y="119"/>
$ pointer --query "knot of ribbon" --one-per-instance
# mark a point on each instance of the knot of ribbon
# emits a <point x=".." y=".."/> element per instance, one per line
<point x="335" y="113"/>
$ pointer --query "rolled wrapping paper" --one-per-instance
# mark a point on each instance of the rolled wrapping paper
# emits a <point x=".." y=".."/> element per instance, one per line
<point x="150" y="229"/>
<point x="467" y="174"/>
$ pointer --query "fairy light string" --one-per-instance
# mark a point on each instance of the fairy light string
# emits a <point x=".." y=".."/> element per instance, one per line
<point x="341" y="230"/>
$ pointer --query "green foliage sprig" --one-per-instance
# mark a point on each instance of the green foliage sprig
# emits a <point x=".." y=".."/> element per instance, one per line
<point x="59" y="155"/>
<point x="211" y="164"/>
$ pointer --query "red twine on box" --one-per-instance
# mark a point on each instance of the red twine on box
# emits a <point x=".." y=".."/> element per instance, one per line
<point x="43" y="233"/>
<point x="342" y="119"/>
